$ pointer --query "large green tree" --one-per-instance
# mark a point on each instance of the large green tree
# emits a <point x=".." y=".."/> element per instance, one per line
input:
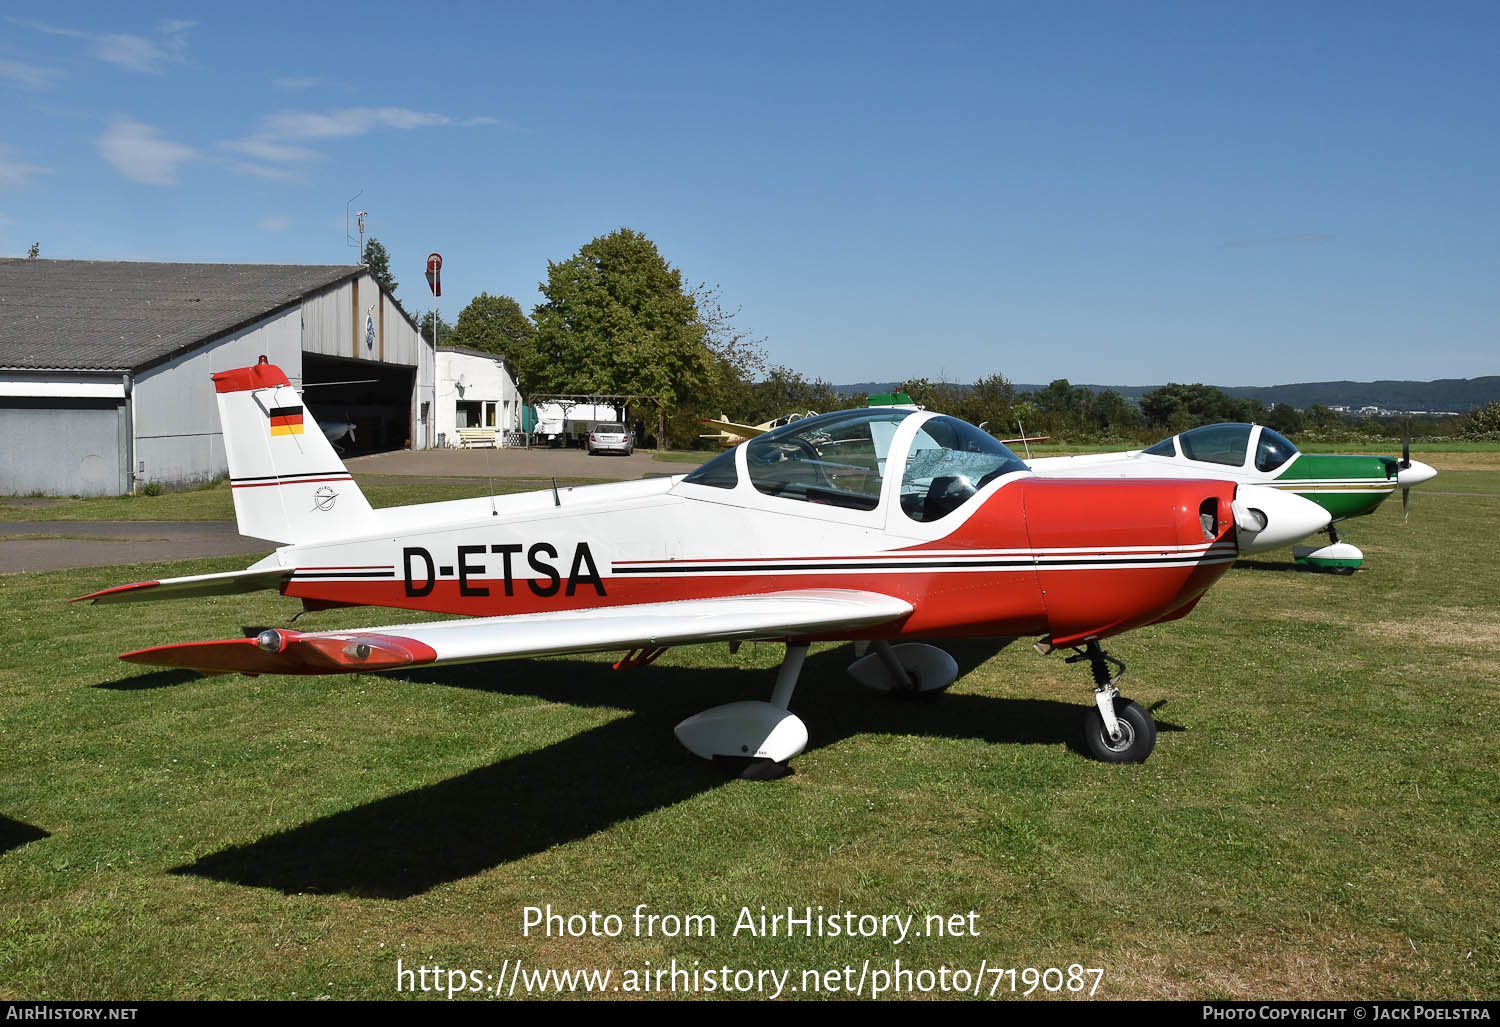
<point x="495" y="324"/>
<point x="617" y="320"/>
<point x="1179" y="407"/>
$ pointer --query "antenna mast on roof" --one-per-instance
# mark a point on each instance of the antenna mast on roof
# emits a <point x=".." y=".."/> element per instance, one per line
<point x="360" y="214"/>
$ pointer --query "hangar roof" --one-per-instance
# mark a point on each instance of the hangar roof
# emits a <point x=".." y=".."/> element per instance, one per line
<point x="115" y="315"/>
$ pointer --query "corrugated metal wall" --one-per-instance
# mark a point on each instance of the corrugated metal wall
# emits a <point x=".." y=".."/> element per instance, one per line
<point x="177" y="435"/>
<point x="62" y="446"/>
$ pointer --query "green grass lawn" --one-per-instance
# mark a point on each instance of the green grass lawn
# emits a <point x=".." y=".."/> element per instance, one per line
<point x="1321" y="817"/>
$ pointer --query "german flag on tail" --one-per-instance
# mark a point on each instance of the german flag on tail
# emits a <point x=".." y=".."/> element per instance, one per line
<point x="286" y="420"/>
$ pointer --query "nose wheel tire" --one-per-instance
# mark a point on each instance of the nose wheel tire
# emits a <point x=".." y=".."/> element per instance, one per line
<point x="1137" y="734"/>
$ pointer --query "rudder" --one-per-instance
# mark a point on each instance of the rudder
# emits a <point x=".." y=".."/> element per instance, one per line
<point x="289" y="485"/>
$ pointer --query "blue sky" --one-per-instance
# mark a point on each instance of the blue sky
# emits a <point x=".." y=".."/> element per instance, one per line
<point x="1243" y="194"/>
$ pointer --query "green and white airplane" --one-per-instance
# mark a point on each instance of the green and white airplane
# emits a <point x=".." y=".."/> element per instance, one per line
<point x="1345" y="486"/>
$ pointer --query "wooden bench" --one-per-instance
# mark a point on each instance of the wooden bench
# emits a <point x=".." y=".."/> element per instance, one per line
<point x="477" y="438"/>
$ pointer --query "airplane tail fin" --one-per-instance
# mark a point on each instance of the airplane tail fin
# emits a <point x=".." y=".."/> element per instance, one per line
<point x="289" y="485"/>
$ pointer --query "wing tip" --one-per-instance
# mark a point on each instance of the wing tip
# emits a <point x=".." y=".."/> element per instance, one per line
<point x="116" y="590"/>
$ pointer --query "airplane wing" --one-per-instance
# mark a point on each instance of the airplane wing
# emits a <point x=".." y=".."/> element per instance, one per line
<point x="793" y="613"/>
<point x="193" y="586"/>
<point x="748" y="431"/>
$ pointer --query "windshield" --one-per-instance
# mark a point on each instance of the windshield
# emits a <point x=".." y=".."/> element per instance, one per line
<point x="615" y="428"/>
<point x="1216" y="444"/>
<point x="949" y="461"/>
<point x="1274" y="450"/>
<point x="834" y="459"/>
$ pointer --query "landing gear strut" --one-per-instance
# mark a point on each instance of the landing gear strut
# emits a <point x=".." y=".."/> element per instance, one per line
<point x="1119" y="730"/>
<point x="755" y="738"/>
<point x="905" y="671"/>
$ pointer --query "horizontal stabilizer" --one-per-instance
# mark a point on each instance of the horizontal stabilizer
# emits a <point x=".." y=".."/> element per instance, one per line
<point x="226" y="584"/>
<point x="798" y="613"/>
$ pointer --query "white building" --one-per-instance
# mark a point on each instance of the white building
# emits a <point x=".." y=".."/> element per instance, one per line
<point x="105" y="365"/>
<point x="474" y="390"/>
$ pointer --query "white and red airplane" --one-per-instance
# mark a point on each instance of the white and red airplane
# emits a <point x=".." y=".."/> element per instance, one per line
<point x="884" y="525"/>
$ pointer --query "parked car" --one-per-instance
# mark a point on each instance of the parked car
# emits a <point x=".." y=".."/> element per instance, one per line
<point x="610" y="438"/>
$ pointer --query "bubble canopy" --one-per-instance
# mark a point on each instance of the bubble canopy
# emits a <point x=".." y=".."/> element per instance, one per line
<point x="1228" y="444"/>
<point x="843" y="459"/>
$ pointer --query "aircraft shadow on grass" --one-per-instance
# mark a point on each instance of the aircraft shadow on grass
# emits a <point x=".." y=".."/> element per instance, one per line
<point x="156" y="679"/>
<point x="1268" y="565"/>
<point x="405" y="844"/>
<point x="16" y="833"/>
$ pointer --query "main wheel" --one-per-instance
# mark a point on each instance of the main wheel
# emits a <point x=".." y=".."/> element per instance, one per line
<point x="1137" y="734"/>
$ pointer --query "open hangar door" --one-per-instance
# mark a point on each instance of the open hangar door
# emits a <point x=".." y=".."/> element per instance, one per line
<point x="374" y="398"/>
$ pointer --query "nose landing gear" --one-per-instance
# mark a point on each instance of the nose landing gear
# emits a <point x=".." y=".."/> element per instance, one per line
<point x="1118" y="730"/>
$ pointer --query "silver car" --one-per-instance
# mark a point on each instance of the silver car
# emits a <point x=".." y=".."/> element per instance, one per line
<point x="610" y="438"/>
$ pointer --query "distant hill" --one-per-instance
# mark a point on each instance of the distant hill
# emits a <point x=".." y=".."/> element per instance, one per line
<point x="1455" y="394"/>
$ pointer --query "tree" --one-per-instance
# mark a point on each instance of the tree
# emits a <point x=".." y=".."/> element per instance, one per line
<point x="991" y="401"/>
<point x="1180" y="407"/>
<point x="379" y="262"/>
<point x="616" y="320"/>
<point x="34" y="251"/>
<point x="1481" y="422"/>
<point x="445" y="330"/>
<point x="1285" y="419"/>
<point x="1111" y="412"/>
<point x="495" y="324"/>
<point x="739" y="360"/>
<point x="1319" y="417"/>
<point x="1061" y="398"/>
<point x="784" y="391"/>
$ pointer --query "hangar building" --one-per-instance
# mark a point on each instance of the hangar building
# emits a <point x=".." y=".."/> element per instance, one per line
<point x="104" y="365"/>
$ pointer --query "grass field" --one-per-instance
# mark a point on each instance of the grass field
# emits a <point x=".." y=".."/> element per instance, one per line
<point x="1321" y="817"/>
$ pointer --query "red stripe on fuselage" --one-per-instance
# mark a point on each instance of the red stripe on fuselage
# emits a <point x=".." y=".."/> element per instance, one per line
<point x="298" y="481"/>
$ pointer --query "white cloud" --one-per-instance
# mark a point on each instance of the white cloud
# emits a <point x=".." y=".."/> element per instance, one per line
<point x="277" y="147"/>
<point x="138" y="151"/>
<point x="263" y="147"/>
<point x="266" y="171"/>
<point x="275" y="223"/>
<point x="16" y="173"/>
<point x="29" y="76"/>
<point x="135" y="53"/>
<point x="351" y="121"/>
